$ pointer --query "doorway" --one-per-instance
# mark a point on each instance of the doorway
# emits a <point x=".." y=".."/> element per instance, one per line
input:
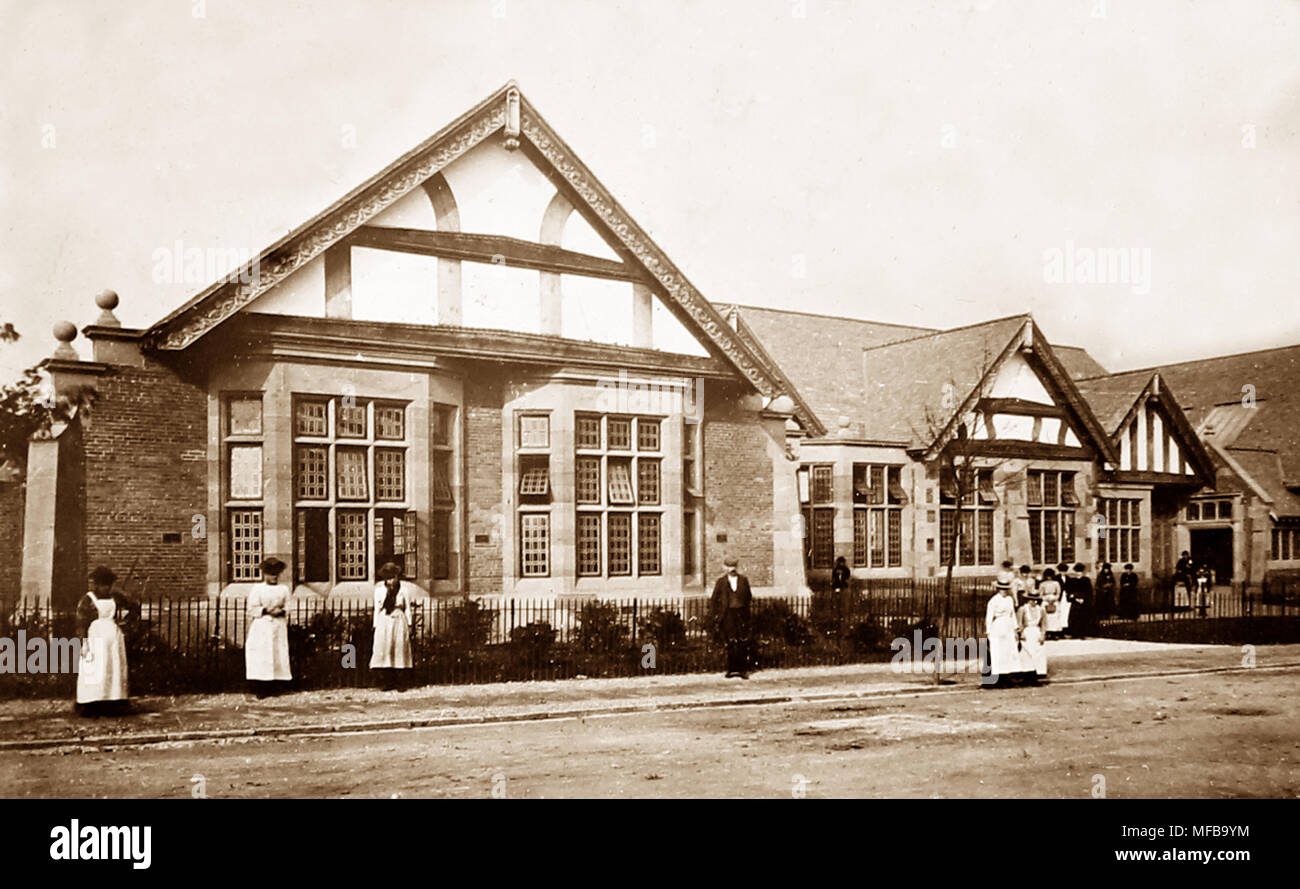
<point x="1213" y="547"/>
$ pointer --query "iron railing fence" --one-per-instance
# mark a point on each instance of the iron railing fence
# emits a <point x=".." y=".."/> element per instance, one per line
<point x="186" y="645"/>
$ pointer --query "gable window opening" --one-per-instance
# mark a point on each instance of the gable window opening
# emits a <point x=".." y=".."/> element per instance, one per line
<point x="351" y="513"/>
<point x="618" y="498"/>
<point x="1052" y="502"/>
<point x="878" y="500"/>
<point x="975" y="515"/>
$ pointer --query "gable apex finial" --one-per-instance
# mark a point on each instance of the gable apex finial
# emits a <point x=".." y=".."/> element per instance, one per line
<point x="512" y="117"/>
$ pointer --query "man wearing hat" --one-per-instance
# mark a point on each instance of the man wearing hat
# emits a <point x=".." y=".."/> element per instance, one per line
<point x="730" y="604"/>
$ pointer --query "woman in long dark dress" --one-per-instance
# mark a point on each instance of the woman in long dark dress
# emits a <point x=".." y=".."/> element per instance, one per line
<point x="1083" y="614"/>
<point x="1105" y="592"/>
<point x="1128" y="593"/>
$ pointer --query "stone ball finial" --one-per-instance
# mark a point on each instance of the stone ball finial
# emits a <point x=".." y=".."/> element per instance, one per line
<point x="782" y="404"/>
<point x="107" y="300"/>
<point x="65" y="331"/>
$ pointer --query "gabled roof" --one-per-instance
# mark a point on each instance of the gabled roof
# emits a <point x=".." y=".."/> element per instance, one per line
<point x="1077" y="362"/>
<point x="913" y="385"/>
<point x="1253" y="399"/>
<point x="1115" y="399"/>
<point x="1262" y="471"/>
<point x="508" y="110"/>
<point x="821" y="354"/>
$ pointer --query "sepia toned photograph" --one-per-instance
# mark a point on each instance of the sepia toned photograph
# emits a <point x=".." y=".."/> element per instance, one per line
<point x="537" y="399"/>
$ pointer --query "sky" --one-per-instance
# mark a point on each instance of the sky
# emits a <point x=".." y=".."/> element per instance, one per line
<point x="935" y="164"/>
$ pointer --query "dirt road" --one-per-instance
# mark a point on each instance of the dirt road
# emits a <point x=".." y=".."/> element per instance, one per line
<point x="1218" y="735"/>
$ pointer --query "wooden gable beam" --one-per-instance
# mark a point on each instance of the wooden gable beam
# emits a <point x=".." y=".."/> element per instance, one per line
<point x="494" y="250"/>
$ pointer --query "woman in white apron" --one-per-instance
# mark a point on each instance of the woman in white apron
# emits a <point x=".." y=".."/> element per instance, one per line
<point x="1056" y="604"/>
<point x="101" y="671"/>
<point x="392" y="644"/>
<point x="1032" y="620"/>
<point x="266" y="649"/>
<point x="1000" y="626"/>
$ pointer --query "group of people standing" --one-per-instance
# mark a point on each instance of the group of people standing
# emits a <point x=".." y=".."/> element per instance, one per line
<point x="1027" y="610"/>
<point x="102" y="685"/>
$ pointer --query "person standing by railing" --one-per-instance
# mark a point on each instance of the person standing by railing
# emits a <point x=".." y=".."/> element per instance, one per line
<point x="101" y="672"/>
<point x="1128" y="593"/>
<point x="1000" y="628"/>
<point x="266" y="648"/>
<point x="391" y="650"/>
<point x="1031" y="621"/>
<point x="731" y="605"/>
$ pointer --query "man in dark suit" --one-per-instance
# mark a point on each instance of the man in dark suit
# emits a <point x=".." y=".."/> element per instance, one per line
<point x="731" y="601"/>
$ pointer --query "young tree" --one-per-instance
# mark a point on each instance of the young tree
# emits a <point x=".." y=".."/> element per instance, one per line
<point x="26" y="409"/>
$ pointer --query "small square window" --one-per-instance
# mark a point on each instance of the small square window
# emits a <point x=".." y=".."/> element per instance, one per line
<point x="309" y="419"/>
<point x="244" y="416"/>
<point x="620" y="435"/>
<point x="350" y="420"/>
<point x="534" y="431"/>
<point x="535" y="477"/>
<point x="647" y="434"/>
<point x="586" y="433"/>
<point x="390" y="422"/>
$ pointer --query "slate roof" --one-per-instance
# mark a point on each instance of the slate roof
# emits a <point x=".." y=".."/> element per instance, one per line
<point x="1213" y="393"/>
<point x="1111" y="397"/>
<point x="880" y="377"/>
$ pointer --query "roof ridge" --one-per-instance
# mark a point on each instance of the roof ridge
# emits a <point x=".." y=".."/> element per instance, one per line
<point x="823" y="315"/>
<point x="949" y="330"/>
<point x="1159" y="367"/>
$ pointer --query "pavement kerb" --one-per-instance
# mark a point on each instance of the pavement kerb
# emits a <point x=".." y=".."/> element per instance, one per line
<point x="538" y="715"/>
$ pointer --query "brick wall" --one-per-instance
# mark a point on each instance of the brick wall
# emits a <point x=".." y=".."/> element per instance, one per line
<point x="737" y="488"/>
<point x="12" y="507"/>
<point x="483" y="482"/>
<point x="145" y="476"/>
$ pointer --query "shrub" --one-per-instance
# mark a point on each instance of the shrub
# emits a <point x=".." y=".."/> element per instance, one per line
<point x="664" y="627"/>
<point x="534" y="638"/>
<point x="468" y="624"/>
<point x="777" y="620"/>
<point x="600" y="627"/>
<point x="868" y="635"/>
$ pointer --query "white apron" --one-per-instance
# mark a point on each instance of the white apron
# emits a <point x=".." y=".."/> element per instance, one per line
<point x="1000" y="624"/>
<point x="1033" y="648"/>
<point x="392" y="645"/>
<point x="266" y="650"/>
<point x="101" y="672"/>
<point x="1059" y="620"/>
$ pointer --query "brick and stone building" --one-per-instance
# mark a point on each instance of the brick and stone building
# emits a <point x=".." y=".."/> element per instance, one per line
<point x="476" y="364"/>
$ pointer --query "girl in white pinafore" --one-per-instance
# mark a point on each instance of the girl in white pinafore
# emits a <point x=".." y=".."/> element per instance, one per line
<point x="1056" y="604"/>
<point x="266" y="649"/>
<point x="1033" y="637"/>
<point x="392" y="643"/>
<point x="1000" y="626"/>
<point x="101" y="673"/>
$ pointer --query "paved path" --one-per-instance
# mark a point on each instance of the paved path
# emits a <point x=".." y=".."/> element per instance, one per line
<point x="35" y="723"/>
